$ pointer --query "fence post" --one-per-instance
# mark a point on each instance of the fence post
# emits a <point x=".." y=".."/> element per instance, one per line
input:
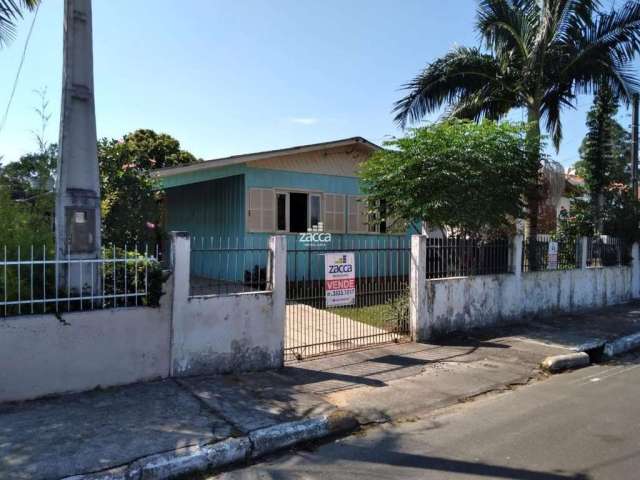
<point x="584" y="247"/>
<point x="278" y="272"/>
<point x="635" y="270"/>
<point x="516" y="254"/>
<point x="181" y="272"/>
<point x="417" y="288"/>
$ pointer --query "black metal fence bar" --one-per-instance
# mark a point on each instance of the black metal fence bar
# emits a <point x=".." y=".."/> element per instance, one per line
<point x="458" y="257"/>
<point x="606" y="251"/>
<point x="537" y="255"/>
<point x="226" y="265"/>
<point x="379" y="314"/>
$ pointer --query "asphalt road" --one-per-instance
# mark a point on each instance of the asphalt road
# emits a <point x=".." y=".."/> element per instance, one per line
<point x="579" y="425"/>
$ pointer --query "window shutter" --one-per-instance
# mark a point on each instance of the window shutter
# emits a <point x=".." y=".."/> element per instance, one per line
<point x="268" y="210"/>
<point x="334" y="215"/>
<point x="339" y="213"/>
<point x="357" y="215"/>
<point x="261" y="213"/>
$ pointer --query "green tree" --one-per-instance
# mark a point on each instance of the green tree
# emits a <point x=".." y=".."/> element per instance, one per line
<point x="457" y="174"/>
<point x="537" y="56"/>
<point x="10" y="12"/>
<point x="131" y="210"/>
<point x="604" y="153"/>
<point x="30" y="177"/>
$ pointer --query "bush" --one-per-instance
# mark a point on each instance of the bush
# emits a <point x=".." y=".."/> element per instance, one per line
<point x="140" y="272"/>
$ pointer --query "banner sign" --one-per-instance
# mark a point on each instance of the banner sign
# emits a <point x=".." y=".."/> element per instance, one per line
<point x="552" y="256"/>
<point x="340" y="279"/>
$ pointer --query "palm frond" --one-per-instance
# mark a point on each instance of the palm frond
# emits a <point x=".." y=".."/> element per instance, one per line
<point x="10" y="13"/>
<point x="557" y="98"/>
<point x="572" y="16"/>
<point x="615" y="35"/>
<point x="458" y="74"/>
<point x="489" y="102"/>
<point x="505" y="26"/>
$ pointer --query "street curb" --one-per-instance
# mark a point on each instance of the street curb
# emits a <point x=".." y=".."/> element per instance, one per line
<point x="621" y="345"/>
<point x="558" y="363"/>
<point x="164" y="466"/>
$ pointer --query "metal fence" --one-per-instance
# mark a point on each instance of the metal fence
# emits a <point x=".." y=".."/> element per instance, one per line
<point x="221" y="266"/>
<point x="34" y="281"/>
<point x="380" y="310"/>
<point x="606" y="251"/>
<point x="537" y="255"/>
<point x="458" y="257"/>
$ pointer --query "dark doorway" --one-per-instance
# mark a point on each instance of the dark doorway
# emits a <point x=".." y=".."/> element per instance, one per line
<point x="298" y="204"/>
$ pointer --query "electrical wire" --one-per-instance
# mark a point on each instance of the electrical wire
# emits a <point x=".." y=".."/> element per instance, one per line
<point x="17" y="78"/>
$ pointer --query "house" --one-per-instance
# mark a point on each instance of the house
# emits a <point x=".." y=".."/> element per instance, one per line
<point x="243" y="199"/>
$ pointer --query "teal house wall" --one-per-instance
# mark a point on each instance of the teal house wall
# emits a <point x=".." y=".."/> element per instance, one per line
<point x="213" y="212"/>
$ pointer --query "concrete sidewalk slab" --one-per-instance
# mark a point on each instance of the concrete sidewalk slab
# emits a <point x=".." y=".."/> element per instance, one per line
<point x="578" y="331"/>
<point x="257" y="400"/>
<point x="406" y="380"/>
<point x="81" y="433"/>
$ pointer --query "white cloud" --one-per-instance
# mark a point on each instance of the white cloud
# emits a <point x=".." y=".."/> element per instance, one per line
<point x="304" y="120"/>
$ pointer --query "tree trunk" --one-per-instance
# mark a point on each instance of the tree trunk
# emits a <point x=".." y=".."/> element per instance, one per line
<point x="533" y="193"/>
<point x="599" y="208"/>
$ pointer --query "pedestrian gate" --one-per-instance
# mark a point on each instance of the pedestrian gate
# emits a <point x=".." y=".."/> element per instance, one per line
<point x="379" y="314"/>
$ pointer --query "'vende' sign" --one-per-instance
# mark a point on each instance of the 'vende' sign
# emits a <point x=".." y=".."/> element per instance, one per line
<point x="340" y="279"/>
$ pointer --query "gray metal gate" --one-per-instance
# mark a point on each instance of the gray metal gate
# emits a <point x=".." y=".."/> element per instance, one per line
<point x="381" y="310"/>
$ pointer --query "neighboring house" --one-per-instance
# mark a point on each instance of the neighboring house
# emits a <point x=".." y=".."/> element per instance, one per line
<point x="575" y="187"/>
<point x="244" y="199"/>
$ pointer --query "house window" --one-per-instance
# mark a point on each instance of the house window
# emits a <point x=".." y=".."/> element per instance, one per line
<point x="314" y="210"/>
<point x="282" y="203"/>
<point x="296" y="212"/>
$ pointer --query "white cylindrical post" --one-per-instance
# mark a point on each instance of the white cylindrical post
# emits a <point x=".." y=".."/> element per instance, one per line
<point x="584" y="250"/>
<point x="418" y="288"/>
<point x="517" y="242"/>
<point x="278" y="272"/>
<point x="635" y="270"/>
<point x="181" y="284"/>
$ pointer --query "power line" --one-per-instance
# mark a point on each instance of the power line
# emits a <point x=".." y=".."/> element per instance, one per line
<point x="15" y="81"/>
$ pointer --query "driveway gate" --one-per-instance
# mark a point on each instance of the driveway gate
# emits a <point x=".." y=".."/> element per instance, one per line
<point x="379" y="314"/>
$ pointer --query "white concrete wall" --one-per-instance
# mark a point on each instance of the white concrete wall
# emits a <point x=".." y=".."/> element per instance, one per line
<point x="462" y="303"/>
<point x="44" y="355"/>
<point x="227" y="333"/>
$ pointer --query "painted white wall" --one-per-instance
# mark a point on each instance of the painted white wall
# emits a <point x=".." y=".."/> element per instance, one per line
<point x="463" y="303"/>
<point x="43" y="355"/>
<point x="227" y="333"/>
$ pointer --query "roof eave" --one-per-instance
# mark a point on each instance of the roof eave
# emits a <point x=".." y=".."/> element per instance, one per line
<point x="251" y="157"/>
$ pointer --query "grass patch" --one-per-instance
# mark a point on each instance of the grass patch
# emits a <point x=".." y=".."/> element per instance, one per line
<point x="390" y="316"/>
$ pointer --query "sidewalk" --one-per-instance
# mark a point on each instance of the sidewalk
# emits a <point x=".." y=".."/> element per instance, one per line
<point x="118" y="429"/>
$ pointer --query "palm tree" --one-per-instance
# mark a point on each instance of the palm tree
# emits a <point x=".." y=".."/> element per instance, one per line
<point x="10" y="12"/>
<point x="538" y="55"/>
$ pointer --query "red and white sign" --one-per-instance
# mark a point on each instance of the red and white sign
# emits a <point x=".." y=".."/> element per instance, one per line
<point x="340" y="279"/>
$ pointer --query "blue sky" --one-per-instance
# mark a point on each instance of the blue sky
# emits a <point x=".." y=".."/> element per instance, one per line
<point x="227" y="76"/>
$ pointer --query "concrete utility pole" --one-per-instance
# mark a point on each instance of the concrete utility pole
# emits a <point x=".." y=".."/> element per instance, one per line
<point x="77" y="185"/>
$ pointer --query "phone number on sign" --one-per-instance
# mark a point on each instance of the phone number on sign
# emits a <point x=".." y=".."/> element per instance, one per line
<point x="341" y="293"/>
